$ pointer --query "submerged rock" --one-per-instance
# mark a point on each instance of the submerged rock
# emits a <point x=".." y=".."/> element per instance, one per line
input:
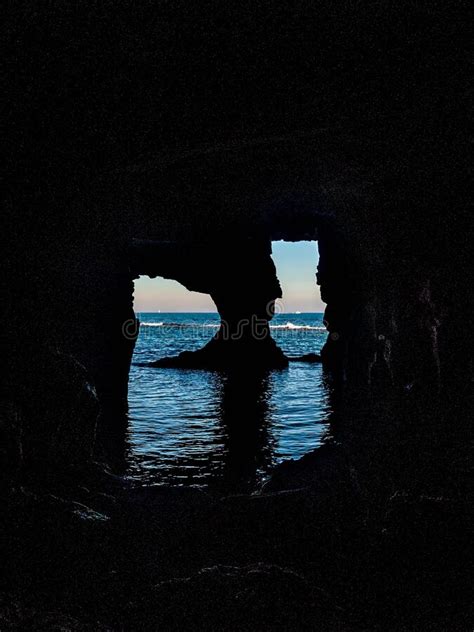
<point x="307" y="357"/>
<point x="215" y="356"/>
<point x="219" y="354"/>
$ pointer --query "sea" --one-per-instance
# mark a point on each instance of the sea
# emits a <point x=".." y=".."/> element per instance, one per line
<point x="192" y="427"/>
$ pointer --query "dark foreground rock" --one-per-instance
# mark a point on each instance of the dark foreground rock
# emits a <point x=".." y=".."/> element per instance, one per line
<point x="325" y="546"/>
<point x="257" y="596"/>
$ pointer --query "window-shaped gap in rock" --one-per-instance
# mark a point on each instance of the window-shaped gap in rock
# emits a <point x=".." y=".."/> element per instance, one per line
<point x="215" y="425"/>
<point x="298" y="325"/>
<point x="172" y="318"/>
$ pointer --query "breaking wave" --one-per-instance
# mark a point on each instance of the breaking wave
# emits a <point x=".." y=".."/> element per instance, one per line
<point x="292" y="326"/>
<point x="288" y="326"/>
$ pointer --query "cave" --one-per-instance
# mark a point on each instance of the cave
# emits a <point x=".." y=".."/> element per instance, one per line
<point x="224" y="423"/>
<point x="241" y="279"/>
<point x="182" y="141"/>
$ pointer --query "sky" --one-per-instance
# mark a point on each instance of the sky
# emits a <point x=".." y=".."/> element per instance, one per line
<point x="296" y="268"/>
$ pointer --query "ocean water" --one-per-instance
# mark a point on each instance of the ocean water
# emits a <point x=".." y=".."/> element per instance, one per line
<point x="205" y="428"/>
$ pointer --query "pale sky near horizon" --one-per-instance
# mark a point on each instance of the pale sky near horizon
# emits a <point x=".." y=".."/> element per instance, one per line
<point x="295" y="262"/>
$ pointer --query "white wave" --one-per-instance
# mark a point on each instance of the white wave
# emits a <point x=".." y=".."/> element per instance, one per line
<point x="287" y="326"/>
<point x="179" y="325"/>
<point x="293" y="326"/>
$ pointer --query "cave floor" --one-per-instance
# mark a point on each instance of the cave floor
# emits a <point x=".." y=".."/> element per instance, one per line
<point x="322" y="546"/>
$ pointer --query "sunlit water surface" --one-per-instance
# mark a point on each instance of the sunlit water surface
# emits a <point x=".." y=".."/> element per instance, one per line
<point x="194" y="427"/>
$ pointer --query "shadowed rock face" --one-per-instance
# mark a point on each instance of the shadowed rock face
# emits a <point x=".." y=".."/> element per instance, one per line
<point x="226" y="126"/>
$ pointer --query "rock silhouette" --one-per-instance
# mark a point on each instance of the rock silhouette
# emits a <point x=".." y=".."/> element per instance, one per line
<point x="241" y="279"/>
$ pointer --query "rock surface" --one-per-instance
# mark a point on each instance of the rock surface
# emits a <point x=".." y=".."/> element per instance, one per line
<point x="242" y="281"/>
<point x="216" y="130"/>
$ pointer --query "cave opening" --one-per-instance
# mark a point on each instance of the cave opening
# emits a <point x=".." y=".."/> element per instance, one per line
<point x="156" y="295"/>
<point x="215" y="426"/>
<point x="296" y="265"/>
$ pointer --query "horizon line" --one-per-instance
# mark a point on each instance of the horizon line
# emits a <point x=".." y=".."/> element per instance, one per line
<point x="216" y="312"/>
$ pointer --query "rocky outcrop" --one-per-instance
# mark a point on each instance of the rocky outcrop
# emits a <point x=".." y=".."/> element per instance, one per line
<point x="241" y="279"/>
<point x="221" y="354"/>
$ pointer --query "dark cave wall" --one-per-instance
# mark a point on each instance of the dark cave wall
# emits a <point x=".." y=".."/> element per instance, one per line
<point x="391" y="315"/>
<point x="396" y="286"/>
<point x="111" y="137"/>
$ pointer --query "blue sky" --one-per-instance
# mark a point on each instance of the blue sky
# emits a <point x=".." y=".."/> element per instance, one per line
<point x="296" y="264"/>
<point x="296" y="268"/>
